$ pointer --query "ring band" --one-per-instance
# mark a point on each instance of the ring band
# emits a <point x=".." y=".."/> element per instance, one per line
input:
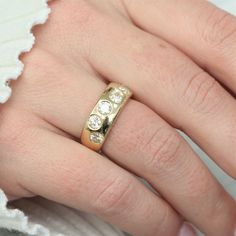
<point x="103" y="115"/>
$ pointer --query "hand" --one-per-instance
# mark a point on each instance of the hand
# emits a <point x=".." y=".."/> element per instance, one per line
<point x="173" y="55"/>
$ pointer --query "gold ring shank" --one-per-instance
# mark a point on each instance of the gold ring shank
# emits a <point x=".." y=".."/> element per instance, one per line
<point x="103" y="115"/>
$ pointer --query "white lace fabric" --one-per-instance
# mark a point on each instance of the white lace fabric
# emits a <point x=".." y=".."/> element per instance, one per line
<point x="17" y="17"/>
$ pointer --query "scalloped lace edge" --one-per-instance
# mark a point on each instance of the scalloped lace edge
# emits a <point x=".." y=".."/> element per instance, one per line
<point x="39" y="18"/>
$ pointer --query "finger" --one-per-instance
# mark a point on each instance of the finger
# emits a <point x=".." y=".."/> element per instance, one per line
<point x="200" y="29"/>
<point x="147" y="146"/>
<point x="65" y="171"/>
<point x="156" y="152"/>
<point x="172" y="85"/>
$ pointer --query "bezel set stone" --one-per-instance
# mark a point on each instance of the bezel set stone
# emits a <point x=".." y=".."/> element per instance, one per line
<point x="124" y="90"/>
<point x="95" y="122"/>
<point x="116" y="96"/>
<point x="105" y="107"/>
<point x="96" y="137"/>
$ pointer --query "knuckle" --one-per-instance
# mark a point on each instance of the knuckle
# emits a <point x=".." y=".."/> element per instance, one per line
<point x="162" y="150"/>
<point x="113" y="197"/>
<point x="220" y="27"/>
<point x="145" y="53"/>
<point x="202" y="93"/>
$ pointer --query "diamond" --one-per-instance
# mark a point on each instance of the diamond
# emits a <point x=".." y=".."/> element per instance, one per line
<point x="124" y="90"/>
<point x="116" y="96"/>
<point x="96" y="137"/>
<point x="104" y="107"/>
<point x="95" y="122"/>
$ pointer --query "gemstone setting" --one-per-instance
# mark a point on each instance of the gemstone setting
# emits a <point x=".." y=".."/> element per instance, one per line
<point x="94" y="122"/>
<point x="104" y="107"/>
<point x="96" y="137"/>
<point x="116" y="96"/>
<point x="124" y="90"/>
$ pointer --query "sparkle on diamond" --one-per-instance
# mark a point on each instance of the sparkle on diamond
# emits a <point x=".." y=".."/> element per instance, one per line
<point x="95" y="122"/>
<point x="116" y="96"/>
<point x="124" y="90"/>
<point x="104" y="107"/>
<point x="96" y="137"/>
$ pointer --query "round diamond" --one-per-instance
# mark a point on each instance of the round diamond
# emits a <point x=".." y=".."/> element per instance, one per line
<point x="95" y="122"/>
<point x="96" y="137"/>
<point x="124" y="90"/>
<point x="116" y="96"/>
<point x="104" y="107"/>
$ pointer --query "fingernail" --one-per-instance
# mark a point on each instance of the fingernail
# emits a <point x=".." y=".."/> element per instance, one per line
<point x="187" y="230"/>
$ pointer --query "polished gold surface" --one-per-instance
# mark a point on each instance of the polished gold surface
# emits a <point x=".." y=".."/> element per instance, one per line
<point x="103" y="115"/>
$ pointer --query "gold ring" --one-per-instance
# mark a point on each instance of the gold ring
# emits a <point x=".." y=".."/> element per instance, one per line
<point x="103" y="115"/>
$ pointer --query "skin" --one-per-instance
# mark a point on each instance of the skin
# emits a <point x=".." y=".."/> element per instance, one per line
<point x="182" y="72"/>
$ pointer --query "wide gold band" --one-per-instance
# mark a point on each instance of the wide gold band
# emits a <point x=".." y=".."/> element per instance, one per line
<point x="104" y="115"/>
